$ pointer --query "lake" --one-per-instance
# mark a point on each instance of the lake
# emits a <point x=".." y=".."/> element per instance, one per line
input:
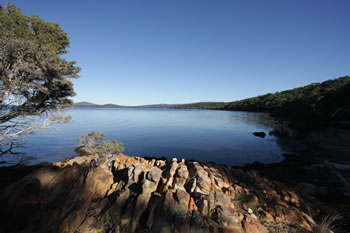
<point x="214" y="136"/>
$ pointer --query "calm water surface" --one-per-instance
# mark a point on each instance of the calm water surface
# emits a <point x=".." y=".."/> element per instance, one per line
<point x="205" y="135"/>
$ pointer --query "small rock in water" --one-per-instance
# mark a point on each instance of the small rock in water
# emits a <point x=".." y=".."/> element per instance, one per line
<point x="259" y="134"/>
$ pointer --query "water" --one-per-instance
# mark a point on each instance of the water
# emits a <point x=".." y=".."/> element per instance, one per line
<point x="213" y="136"/>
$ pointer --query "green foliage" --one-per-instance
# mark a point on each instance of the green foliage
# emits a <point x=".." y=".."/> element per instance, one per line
<point x="306" y="107"/>
<point x="33" y="73"/>
<point x="91" y="139"/>
<point x="34" y="78"/>
<point x="105" y="150"/>
<point x="244" y="197"/>
<point x="97" y="136"/>
<point x="258" y="209"/>
<point x="202" y="105"/>
<point x="112" y="147"/>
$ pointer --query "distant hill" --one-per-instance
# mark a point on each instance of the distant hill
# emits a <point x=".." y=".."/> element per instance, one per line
<point x="84" y="104"/>
<point x="155" y="106"/>
<point x="92" y="105"/>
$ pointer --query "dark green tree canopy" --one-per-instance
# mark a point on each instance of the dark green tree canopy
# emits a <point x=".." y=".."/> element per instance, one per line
<point x="33" y="75"/>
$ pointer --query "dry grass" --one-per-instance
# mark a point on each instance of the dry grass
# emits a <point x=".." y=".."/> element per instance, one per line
<point x="327" y="224"/>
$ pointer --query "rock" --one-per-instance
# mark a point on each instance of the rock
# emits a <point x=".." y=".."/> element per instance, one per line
<point x="140" y="195"/>
<point x="259" y="134"/>
<point x="223" y="199"/>
<point x="98" y="181"/>
<point x="154" y="174"/>
<point x="203" y="182"/>
<point x="226" y="216"/>
<point x="182" y="199"/>
<point x="181" y="176"/>
<point x="171" y="172"/>
<point x="251" y="228"/>
<point x="268" y="216"/>
<point x="78" y="160"/>
<point x="139" y="168"/>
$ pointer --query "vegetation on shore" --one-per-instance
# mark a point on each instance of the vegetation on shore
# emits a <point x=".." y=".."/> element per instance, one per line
<point x="310" y="106"/>
<point x="203" y="105"/>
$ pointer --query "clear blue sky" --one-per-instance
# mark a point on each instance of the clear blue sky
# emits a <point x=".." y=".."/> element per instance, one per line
<point x="181" y="51"/>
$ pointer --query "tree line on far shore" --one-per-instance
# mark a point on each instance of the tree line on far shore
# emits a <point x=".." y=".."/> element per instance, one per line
<point x="311" y="106"/>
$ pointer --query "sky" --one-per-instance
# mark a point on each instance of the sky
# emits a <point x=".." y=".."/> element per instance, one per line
<point x="137" y="52"/>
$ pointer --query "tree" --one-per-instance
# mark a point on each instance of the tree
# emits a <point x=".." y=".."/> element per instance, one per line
<point x="33" y="76"/>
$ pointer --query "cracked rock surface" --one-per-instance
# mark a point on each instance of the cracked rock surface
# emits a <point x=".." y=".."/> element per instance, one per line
<point x="149" y="195"/>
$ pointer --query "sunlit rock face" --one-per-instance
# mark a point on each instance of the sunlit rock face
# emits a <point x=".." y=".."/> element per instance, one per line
<point x="139" y="195"/>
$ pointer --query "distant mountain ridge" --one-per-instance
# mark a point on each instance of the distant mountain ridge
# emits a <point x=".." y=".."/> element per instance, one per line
<point x="85" y="104"/>
<point x="92" y="105"/>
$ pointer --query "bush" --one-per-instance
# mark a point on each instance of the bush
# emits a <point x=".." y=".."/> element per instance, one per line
<point x="91" y="139"/>
<point x="112" y="147"/>
<point x="105" y="150"/>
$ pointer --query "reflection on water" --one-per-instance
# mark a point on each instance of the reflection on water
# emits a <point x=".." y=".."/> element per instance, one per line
<point x="217" y="136"/>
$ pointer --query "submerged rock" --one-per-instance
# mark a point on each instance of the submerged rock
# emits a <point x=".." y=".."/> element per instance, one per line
<point x="136" y="194"/>
<point x="259" y="134"/>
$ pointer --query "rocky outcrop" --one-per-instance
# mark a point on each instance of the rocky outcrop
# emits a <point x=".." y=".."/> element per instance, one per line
<point x="140" y="195"/>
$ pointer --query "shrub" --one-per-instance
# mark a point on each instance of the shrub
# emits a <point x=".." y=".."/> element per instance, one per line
<point x="244" y="197"/>
<point x="91" y="139"/>
<point x="107" y="149"/>
<point x="112" y="147"/>
<point x="104" y="151"/>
